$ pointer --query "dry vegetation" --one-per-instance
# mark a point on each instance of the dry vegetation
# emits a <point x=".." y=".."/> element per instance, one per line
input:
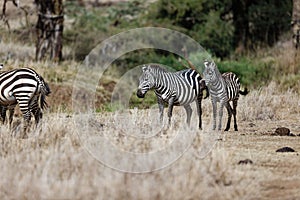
<point x="54" y="163"/>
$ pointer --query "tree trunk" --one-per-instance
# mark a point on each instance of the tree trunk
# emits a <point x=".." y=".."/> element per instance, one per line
<point x="241" y="25"/>
<point x="296" y="23"/>
<point x="294" y="67"/>
<point x="49" y="29"/>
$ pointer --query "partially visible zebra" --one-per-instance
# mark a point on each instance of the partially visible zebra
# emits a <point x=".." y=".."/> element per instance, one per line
<point x="174" y="88"/>
<point x="24" y="87"/>
<point x="222" y="88"/>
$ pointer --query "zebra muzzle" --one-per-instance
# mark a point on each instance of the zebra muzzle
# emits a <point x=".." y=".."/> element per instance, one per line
<point x="140" y="94"/>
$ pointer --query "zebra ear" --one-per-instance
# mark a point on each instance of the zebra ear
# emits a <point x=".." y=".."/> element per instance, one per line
<point x="145" y="68"/>
<point x="206" y="63"/>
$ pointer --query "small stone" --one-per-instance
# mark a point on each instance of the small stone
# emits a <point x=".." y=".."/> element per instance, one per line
<point x="282" y="131"/>
<point x="245" y="162"/>
<point x="285" y="149"/>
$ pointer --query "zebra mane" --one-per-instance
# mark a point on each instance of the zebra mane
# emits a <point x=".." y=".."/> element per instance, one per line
<point x="157" y="67"/>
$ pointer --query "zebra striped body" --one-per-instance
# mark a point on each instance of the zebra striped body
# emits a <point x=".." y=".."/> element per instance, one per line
<point x="26" y="88"/>
<point x="174" y="88"/>
<point x="222" y="88"/>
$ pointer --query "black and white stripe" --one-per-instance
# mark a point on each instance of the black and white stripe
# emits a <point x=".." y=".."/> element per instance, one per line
<point x="174" y="88"/>
<point x="222" y="88"/>
<point x="26" y="88"/>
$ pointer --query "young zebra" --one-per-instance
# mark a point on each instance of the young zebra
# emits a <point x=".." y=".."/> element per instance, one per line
<point x="26" y="88"/>
<point x="222" y="88"/>
<point x="174" y="88"/>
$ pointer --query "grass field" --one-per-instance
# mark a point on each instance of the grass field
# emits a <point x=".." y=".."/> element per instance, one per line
<point x="54" y="163"/>
<point x="67" y="159"/>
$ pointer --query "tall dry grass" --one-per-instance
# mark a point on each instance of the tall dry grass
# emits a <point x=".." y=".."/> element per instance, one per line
<point x="53" y="164"/>
<point x="269" y="103"/>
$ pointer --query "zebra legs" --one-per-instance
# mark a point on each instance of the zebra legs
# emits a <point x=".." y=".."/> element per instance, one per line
<point x="26" y="117"/>
<point x="189" y="111"/>
<point x="234" y="113"/>
<point x="36" y="110"/>
<point x="10" y="116"/>
<point x="3" y="113"/>
<point x="222" y="103"/>
<point x="199" y="110"/>
<point x="230" y="112"/>
<point x="170" y="110"/>
<point x="161" y="109"/>
<point x="214" y="105"/>
<point x="11" y="110"/>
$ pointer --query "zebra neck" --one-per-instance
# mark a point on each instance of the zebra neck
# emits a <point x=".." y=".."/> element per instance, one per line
<point x="218" y="87"/>
<point x="163" y="86"/>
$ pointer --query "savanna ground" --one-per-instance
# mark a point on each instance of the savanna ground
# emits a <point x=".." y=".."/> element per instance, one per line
<point x="54" y="162"/>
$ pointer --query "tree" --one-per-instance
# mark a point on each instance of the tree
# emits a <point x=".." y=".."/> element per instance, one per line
<point x="49" y="29"/>
<point x="241" y="24"/>
<point x="296" y="23"/>
<point x="259" y="23"/>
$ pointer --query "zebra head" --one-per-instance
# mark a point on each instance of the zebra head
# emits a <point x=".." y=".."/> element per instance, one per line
<point x="209" y="73"/>
<point x="146" y="82"/>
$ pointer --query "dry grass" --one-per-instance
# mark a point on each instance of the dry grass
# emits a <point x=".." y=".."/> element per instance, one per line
<point x="54" y="163"/>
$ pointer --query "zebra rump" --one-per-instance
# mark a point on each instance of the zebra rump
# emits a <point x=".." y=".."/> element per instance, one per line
<point x="24" y="87"/>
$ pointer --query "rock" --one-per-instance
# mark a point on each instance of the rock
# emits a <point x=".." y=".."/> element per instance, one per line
<point x="292" y="134"/>
<point x="285" y="149"/>
<point x="245" y="162"/>
<point x="282" y="131"/>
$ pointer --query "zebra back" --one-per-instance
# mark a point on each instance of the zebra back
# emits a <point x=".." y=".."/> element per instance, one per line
<point x="183" y="85"/>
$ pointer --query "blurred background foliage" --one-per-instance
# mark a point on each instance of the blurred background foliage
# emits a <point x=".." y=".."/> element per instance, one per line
<point x="249" y="37"/>
<point x="233" y="31"/>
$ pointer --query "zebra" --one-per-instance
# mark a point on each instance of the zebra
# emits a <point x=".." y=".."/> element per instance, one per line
<point x="222" y="88"/>
<point x="27" y="88"/>
<point x="179" y="88"/>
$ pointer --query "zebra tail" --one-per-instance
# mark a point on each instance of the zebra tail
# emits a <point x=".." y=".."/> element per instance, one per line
<point x="44" y="92"/>
<point x="245" y="92"/>
<point x="43" y="103"/>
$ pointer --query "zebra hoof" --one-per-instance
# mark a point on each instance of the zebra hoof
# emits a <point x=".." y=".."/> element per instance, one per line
<point x="235" y="128"/>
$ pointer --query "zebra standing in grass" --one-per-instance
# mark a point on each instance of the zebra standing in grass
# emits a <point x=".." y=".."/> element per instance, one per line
<point x="24" y="87"/>
<point x="222" y="88"/>
<point x="174" y="88"/>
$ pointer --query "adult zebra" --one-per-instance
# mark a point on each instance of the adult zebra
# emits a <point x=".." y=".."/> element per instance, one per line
<point x="174" y="88"/>
<point x="222" y="88"/>
<point x="24" y="87"/>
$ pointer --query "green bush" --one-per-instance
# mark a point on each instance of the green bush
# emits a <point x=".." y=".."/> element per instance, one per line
<point x="251" y="73"/>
